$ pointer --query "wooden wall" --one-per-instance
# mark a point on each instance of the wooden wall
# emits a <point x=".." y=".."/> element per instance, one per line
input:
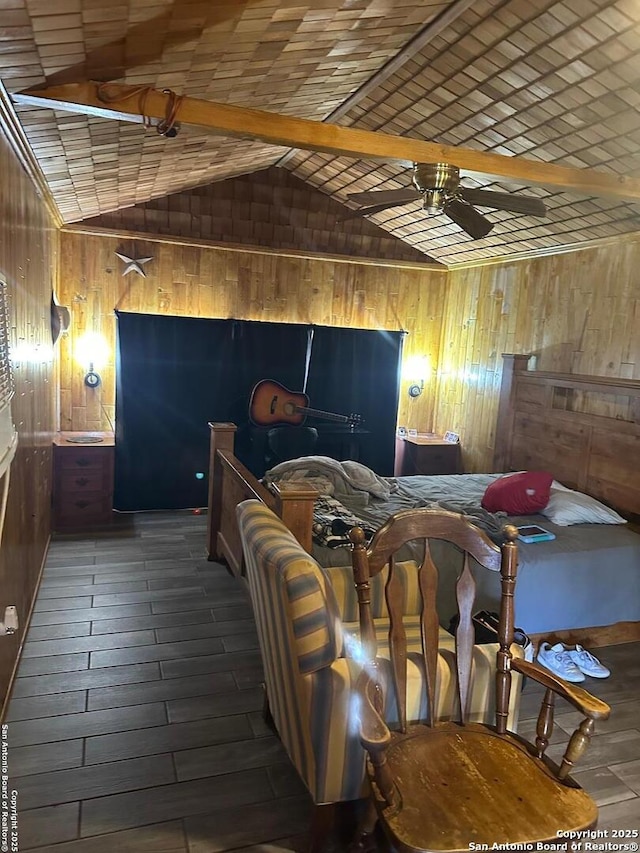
<point x="270" y="208"/>
<point x="27" y="264"/>
<point x="577" y="312"/>
<point x="204" y="281"/>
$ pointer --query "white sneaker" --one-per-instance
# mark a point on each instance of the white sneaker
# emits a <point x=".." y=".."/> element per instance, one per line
<point x="559" y="661"/>
<point x="587" y="663"/>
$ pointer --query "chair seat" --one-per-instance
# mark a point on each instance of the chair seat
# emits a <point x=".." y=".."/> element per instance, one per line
<point x="482" y="788"/>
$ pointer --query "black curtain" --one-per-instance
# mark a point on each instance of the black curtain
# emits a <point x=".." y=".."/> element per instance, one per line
<point x="173" y="376"/>
<point x="358" y="371"/>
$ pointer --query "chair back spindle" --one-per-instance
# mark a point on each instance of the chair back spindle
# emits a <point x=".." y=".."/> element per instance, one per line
<point x="363" y="591"/>
<point x="465" y="635"/>
<point x="429" y="626"/>
<point x="508" y="569"/>
<point x="397" y="641"/>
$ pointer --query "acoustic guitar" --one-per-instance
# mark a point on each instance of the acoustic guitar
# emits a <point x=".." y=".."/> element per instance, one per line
<point x="272" y="404"/>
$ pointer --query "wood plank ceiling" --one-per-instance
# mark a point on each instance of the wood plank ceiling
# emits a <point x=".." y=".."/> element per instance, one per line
<point x="555" y="81"/>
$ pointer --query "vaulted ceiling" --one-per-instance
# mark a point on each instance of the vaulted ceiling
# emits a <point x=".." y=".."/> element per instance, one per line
<point x="554" y="81"/>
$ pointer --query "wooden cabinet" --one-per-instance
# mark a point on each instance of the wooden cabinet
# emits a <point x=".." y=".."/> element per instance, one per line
<point x="82" y="482"/>
<point x="426" y="455"/>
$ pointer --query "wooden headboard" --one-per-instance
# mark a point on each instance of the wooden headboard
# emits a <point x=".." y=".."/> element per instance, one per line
<point x="584" y="429"/>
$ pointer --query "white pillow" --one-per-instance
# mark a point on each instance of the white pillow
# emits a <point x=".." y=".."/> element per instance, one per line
<point x="566" y="507"/>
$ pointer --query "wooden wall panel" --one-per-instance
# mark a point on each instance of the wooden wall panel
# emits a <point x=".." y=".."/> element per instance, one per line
<point x="203" y="281"/>
<point x="577" y="312"/>
<point x="270" y="208"/>
<point x="27" y="263"/>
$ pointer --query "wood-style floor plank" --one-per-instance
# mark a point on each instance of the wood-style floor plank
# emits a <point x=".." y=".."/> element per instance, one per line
<point x="63" y="616"/>
<point x="206" y="602"/>
<point x="228" y="757"/>
<point x="60" y="755"/>
<point x="168" y="738"/>
<point x="57" y="632"/>
<point x="166" y="837"/>
<point x="75" y="589"/>
<point x="124" y="811"/>
<point x="161" y="651"/>
<point x="206" y="629"/>
<point x="107" y="677"/>
<point x="81" y="783"/>
<point x="209" y="663"/>
<point x="160" y="691"/>
<point x="68" y="726"/>
<point x="47" y="706"/>
<point x="45" y="648"/>
<point x="48" y="825"/>
<point x="253" y="824"/>
<point x="215" y="705"/>
<point x="160" y="620"/>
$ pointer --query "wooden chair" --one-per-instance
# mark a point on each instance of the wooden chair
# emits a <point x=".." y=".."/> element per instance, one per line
<point x="289" y="442"/>
<point x="446" y="785"/>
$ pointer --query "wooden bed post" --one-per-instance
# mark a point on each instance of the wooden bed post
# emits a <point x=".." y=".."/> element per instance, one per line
<point x="295" y="508"/>
<point x="222" y="438"/>
<point x="511" y="365"/>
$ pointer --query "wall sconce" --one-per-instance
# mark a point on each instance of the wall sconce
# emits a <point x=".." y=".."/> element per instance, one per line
<point x="416" y="388"/>
<point x="91" y="352"/>
<point x="416" y="371"/>
<point x="91" y="378"/>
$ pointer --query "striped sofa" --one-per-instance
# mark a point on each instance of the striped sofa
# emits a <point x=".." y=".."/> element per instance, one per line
<point x="307" y="625"/>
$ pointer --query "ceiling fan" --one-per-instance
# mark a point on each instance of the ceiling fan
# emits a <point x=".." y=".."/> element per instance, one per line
<point x="438" y="185"/>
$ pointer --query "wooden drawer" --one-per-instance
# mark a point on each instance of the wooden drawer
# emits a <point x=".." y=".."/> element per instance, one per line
<point x="81" y="510"/>
<point x="85" y="480"/>
<point x="83" y="458"/>
<point x="82" y="484"/>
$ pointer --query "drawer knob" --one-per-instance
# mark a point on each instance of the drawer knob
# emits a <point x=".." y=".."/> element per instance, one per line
<point x="82" y="504"/>
<point x="83" y="462"/>
<point x="81" y="481"/>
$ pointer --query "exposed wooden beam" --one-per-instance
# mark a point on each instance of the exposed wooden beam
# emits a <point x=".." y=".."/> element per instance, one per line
<point x="414" y="46"/>
<point x="137" y="104"/>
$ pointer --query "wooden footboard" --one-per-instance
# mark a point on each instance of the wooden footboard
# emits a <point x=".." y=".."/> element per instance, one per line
<point x="230" y="483"/>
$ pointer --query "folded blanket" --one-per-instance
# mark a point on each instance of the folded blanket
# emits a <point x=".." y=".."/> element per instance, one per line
<point x="346" y="477"/>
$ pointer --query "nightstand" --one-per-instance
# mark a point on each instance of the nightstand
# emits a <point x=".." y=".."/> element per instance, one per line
<point x="426" y="455"/>
<point x="82" y="481"/>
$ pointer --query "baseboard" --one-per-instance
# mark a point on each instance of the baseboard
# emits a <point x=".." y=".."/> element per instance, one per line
<point x="593" y="638"/>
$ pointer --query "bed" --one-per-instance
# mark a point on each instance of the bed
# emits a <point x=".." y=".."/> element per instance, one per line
<point x="584" y="586"/>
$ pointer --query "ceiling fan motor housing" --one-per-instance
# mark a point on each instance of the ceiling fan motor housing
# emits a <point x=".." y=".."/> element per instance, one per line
<point x="438" y="182"/>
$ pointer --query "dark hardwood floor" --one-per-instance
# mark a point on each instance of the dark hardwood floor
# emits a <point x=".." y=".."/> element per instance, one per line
<point x="135" y="722"/>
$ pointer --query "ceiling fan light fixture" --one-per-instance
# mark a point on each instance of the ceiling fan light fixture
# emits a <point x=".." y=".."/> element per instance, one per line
<point x="433" y="201"/>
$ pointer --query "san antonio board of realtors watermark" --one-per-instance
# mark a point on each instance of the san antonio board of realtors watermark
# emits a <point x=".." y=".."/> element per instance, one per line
<point x="8" y="800"/>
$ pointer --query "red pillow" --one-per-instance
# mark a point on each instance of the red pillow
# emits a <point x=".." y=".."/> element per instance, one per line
<point x="519" y="494"/>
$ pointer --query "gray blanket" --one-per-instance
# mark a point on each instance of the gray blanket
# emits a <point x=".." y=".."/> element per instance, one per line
<point x="491" y="522"/>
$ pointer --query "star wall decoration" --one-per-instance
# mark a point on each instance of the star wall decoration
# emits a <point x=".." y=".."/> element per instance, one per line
<point x="134" y="264"/>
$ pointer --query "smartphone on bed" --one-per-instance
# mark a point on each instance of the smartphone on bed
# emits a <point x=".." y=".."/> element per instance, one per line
<point x="535" y="533"/>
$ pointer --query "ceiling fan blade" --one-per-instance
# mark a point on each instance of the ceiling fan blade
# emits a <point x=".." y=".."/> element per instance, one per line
<point x="504" y="201"/>
<point x="367" y="211"/>
<point x="474" y="223"/>
<point x="385" y="196"/>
